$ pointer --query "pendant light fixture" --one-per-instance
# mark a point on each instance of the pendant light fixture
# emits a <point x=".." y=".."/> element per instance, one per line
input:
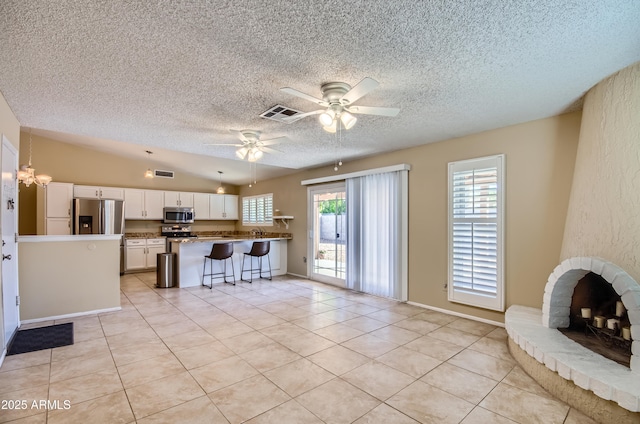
<point x="27" y="174"/>
<point x="149" y="173"/>
<point x="220" y="189"/>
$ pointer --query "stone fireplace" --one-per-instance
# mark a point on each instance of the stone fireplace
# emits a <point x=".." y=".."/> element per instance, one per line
<point x="535" y="331"/>
<point x="559" y="292"/>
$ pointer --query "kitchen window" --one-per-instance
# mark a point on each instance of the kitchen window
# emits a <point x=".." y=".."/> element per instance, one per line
<point x="257" y="210"/>
<point x="476" y="216"/>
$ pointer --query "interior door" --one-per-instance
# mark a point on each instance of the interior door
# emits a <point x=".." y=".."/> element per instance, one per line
<point x="328" y="243"/>
<point x="9" y="205"/>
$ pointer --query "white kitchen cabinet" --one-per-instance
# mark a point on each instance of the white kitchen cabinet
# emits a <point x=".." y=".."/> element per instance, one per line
<point x="178" y="198"/>
<point x="223" y="206"/>
<point x="201" y="206"/>
<point x="58" y="197"/>
<point x="58" y="226"/>
<point x="142" y="254"/>
<point x="93" y="192"/>
<point x="143" y="204"/>
<point x="54" y="209"/>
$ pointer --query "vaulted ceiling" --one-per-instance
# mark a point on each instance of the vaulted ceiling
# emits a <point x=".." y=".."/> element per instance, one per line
<point x="173" y="76"/>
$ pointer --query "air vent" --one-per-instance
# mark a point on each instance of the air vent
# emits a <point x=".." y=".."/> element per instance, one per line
<point x="279" y="112"/>
<point x="163" y="174"/>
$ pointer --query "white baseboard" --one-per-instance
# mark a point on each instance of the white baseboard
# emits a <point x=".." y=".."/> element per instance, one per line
<point x="458" y="314"/>
<point x="297" y="275"/>
<point x="66" y="316"/>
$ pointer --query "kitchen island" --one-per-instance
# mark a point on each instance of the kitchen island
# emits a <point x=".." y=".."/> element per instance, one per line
<point x="68" y="276"/>
<point x="191" y="253"/>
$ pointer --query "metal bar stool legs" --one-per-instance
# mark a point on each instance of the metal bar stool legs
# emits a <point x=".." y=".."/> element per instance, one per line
<point x="219" y="252"/>
<point x="259" y="249"/>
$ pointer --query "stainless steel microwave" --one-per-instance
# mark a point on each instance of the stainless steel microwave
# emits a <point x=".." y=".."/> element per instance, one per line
<point x="174" y="215"/>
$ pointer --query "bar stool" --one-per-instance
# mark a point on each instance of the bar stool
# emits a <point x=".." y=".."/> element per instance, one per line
<point x="219" y="252"/>
<point x="259" y="249"/>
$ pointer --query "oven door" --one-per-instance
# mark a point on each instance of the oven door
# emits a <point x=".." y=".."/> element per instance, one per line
<point x="175" y="215"/>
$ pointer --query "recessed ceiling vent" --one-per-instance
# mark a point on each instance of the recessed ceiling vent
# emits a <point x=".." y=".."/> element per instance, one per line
<point x="279" y="113"/>
<point x="163" y="174"/>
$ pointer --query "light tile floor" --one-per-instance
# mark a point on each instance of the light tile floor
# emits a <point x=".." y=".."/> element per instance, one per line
<point x="282" y="351"/>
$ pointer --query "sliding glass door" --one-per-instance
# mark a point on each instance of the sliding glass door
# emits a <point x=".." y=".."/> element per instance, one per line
<point x="327" y="234"/>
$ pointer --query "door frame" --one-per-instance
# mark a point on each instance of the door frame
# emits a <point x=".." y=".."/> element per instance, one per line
<point x="3" y="279"/>
<point x="311" y="191"/>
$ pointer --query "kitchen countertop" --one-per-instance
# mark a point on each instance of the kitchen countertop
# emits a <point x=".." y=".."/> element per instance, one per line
<point x="215" y="235"/>
<point x="229" y="239"/>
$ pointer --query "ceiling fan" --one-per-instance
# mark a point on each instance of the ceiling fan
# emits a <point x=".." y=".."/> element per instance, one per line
<point x="251" y="147"/>
<point x="337" y="101"/>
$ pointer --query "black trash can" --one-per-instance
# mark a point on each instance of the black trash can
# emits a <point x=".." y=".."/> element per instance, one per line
<point x="166" y="270"/>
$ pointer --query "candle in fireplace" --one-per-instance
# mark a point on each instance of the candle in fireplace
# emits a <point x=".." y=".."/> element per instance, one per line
<point x="586" y="312"/>
<point x="598" y="321"/>
<point x="619" y="308"/>
<point x="613" y="324"/>
<point x="626" y="333"/>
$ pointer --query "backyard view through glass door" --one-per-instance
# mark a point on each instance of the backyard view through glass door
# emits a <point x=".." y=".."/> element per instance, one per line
<point x="328" y="233"/>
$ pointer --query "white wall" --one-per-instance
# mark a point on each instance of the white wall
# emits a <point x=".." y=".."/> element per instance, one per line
<point x="603" y="218"/>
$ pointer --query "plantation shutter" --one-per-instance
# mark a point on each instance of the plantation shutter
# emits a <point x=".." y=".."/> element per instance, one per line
<point x="257" y="210"/>
<point x="475" y="232"/>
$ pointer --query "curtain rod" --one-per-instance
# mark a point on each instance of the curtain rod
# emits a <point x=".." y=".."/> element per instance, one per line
<point x="340" y="177"/>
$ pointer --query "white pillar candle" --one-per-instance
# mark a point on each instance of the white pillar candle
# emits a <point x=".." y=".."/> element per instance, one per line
<point x="626" y="333"/>
<point x="586" y="312"/>
<point x="613" y="323"/>
<point x="619" y="308"/>
<point x="598" y="321"/>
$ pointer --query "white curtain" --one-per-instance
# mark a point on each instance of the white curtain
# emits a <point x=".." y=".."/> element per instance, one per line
<point x="374" y="231"/>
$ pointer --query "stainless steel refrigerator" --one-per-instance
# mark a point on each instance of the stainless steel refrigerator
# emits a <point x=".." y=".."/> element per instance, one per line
<point x="93" y="216"/>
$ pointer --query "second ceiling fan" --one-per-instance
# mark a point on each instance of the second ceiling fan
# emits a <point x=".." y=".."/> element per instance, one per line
<point x="337" y="102"/>
<point x="252" y="147"/>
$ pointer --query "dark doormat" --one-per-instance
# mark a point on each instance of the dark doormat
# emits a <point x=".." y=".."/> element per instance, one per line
<point x="42" y="338"/>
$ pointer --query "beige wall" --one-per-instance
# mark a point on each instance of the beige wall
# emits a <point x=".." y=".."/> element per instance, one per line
<point x="604" y="218"/>
<point x="539" y="168"/>
<point x="68" y="277"/>
<point x="79" y="165"/>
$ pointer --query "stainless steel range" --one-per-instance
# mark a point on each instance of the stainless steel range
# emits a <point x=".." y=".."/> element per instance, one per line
<point x="177" y="233"/>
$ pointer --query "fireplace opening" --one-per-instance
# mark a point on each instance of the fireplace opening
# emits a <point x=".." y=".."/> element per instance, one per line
<point x="598" y="319"/>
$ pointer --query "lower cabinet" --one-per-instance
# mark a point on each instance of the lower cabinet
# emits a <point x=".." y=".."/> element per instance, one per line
<point x="141" y="254"/>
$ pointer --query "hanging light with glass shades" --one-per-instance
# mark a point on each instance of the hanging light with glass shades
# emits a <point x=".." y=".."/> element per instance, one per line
<point x="149" y="172"/>
<point x="27" y="174"/>
<point x="220" y="189"/>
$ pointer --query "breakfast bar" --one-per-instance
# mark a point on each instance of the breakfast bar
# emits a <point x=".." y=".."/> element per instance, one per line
<point x="191" y="253"/>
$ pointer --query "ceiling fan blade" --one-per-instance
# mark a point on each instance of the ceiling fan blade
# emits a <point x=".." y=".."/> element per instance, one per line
<point x="294" y="118"/>
<point x="271" y="141"/>
<point x="363" y="87"/>
<point x="269" y="150"/>
<point x="372" y="110"/>
<point x="223" y="144"/>
<point x="302" y="95"/>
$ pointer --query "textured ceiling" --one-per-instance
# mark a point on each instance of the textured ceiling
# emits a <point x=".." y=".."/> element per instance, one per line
<point x="170" y="76"/>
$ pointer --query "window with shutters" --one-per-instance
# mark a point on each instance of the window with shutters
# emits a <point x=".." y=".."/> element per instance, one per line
<point x="476" y="199"/>
<point x="257" y="210"/>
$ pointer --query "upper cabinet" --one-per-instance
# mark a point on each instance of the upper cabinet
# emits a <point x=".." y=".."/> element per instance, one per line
<point x="143" y="204"/>
<point x="201" y="206"/>
<point x="223" y="206"/>
<point x="57" y="198"/>
<point x="92" y="192"/>
<point x="53" y="214"/>
<point x="178" y="198"/>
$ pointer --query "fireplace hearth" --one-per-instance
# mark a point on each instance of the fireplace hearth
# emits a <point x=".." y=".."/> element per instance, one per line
<point x="537" y="334"/>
